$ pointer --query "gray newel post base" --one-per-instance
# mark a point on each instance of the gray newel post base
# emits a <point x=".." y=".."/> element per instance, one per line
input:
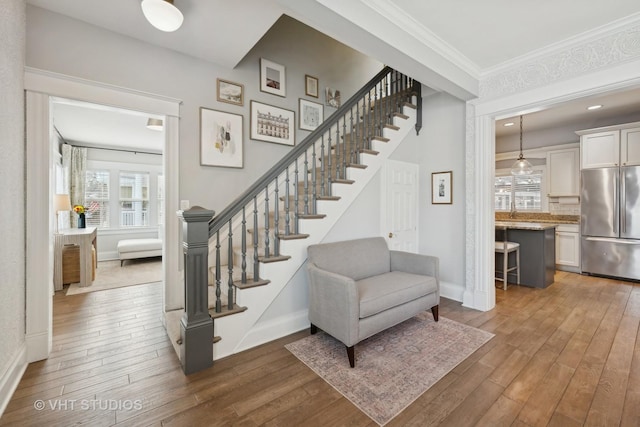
<point x="196" y="325"/>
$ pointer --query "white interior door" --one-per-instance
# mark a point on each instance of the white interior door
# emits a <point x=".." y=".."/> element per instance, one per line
<point x="400" y="205"/>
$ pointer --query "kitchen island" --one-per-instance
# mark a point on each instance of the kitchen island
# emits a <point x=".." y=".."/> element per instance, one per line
<point x="537" y="250"/>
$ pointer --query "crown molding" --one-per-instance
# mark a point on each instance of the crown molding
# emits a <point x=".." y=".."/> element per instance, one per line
<point x="408" y="24"/>
<point x="597" y="49"/>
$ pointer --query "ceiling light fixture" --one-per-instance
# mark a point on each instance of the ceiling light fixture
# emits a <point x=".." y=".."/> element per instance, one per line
<point x="162" y="14"/>
<point x="508" y="124"/>
<point x="594" y="107"/>
<point x="522" y="165"/>
<point x="154" y="124"/>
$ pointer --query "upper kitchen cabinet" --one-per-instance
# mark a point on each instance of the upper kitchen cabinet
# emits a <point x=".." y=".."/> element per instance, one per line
<point x="563" y="168"/>
<point x="610" y="146"/>
<point x="630" y="147"/>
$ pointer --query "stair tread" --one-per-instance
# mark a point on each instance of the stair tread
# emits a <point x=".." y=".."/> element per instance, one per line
<point x="292" y="236"/>
<point x="311" y="216"/>
<point x="272" y="258"/>
<point x="226" y="311"/>
<point x="251" y="283"/>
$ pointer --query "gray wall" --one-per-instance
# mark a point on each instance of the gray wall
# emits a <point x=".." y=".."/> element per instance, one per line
<point x="438" y="148"/>
<point x="12" y="187"/>
<point x="96" y="54"/>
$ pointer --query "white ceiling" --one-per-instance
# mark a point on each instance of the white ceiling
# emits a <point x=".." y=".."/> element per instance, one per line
<point x="485" y="34"/>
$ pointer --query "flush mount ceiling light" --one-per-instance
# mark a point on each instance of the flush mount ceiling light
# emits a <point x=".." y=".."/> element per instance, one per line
<point x="162" y="14"/>
<point x="508" y="124"/>
<point x="154" y="124"/>
<point x="594" y="107"/>
<point x="522" y="165"/>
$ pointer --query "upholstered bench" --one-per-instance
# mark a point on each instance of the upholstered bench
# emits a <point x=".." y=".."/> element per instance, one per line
<point x="138" y="248"/>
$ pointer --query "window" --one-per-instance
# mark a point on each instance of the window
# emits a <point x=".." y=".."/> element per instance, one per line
<point x="134" y="199"/>
<point x="96" y="196"/>
<point x="526" y="191"/>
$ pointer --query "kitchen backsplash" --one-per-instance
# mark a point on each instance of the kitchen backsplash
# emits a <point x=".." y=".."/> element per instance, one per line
<point x="564" y="209"/>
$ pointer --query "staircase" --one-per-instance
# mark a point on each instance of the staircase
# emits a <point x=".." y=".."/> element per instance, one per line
<point x="257" y="244"/>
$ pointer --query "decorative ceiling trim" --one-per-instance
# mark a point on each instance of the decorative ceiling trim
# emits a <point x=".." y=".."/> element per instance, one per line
<point x="405" y="22"/>
<point x="603" y="47"/>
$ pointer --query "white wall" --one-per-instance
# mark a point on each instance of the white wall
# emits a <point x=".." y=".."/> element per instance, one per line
<point x="96" y="54"/>
<point x="12" y="193"/>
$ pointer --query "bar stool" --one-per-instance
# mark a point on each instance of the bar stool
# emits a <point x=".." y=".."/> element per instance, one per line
<point x="505" y="247"/>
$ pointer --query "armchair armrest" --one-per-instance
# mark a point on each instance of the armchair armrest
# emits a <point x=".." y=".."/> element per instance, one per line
<point x="334" y="304"/>
<point x="415" y="264"/>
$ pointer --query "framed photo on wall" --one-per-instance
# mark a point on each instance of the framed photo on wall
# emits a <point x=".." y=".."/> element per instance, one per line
<point x="220" y="139"/>
<point x="311" y="86"/>
<point x="441" y="188"/>
<point x="272" y="78"/>
<point x="230" y="92"/>
<point x="272" y="124"/>
<point x="310" y="114"/>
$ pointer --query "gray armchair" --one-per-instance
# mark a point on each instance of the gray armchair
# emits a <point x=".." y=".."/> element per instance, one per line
<point x="358" y="288"/>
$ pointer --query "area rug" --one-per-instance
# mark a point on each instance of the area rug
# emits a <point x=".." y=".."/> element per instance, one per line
<point x="394" y="367"/>
<point x="110" y="275"/>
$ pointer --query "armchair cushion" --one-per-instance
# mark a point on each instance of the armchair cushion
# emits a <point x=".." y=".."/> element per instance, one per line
<point x="378" y="293"/>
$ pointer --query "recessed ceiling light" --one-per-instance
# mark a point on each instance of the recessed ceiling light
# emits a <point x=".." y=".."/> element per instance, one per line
<point x="594" y="107"/>
<point x="508" y="124"/>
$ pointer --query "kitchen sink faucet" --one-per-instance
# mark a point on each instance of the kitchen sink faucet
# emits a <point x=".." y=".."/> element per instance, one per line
<point x="512" y="213"/>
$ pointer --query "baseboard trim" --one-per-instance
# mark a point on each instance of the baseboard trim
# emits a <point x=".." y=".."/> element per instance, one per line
<point x="274" y="329"/>
<point x="11" y="377"/>
<point x="451" y="291"/>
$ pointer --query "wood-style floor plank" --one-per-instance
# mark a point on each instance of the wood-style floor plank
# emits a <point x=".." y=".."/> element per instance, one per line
<point x="567" y="355"/>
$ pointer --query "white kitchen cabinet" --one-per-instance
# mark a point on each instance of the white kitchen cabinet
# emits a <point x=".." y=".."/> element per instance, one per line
<point x="610" y="146"/>
<point x="563" y="167"/>
<point x="600" y="150"/>
<point x="630" y="147"/>
<point x="568" y="247"/>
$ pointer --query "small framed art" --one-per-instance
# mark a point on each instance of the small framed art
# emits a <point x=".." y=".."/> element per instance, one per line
<point x="311" y="86"/>
<point x="272" y="124"/>
<point x="230" y="92"/>
<point x="441" y="188"/>
<point x="220" y="139"/>
<point x="272" y="78"/>
<point x="310" y="114"/>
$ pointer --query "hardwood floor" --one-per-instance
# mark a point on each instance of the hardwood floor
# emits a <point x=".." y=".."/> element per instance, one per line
<point x="568" y="355"/>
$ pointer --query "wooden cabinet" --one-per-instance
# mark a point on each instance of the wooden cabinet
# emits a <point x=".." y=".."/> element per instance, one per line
<point x="610" y="146"/>
<point x="563" y="169"/>
<point x="568" y="247"/>
<point x="630" y="147"/>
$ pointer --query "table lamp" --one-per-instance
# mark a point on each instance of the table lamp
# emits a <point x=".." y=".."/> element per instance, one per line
<point x="61" y="203"/>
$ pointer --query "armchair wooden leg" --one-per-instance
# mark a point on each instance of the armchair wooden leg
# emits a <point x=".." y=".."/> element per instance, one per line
<point x="313" y="329"/>
<point x="434" y="310"/>
<point x="352" y="356"/>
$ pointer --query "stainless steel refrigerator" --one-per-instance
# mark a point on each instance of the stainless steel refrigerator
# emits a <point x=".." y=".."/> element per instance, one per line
<point x="610" y="221"/>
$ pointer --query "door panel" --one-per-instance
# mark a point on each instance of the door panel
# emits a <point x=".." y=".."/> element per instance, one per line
<point x="400" y="220"/>
<point x="599" y="202"/>
<point x="630" y="202"/>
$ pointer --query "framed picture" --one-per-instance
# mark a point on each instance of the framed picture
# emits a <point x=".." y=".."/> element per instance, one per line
<point x="220" y="139"/>
<point x="332" y="97"/>
<point x="230" y="92"/>
<point x="311" y="86"/>
<point x="310" y="114"/>
<point x="272" y="78"/>
<point x="441" y="184"/>
<point x="272" y="124"/>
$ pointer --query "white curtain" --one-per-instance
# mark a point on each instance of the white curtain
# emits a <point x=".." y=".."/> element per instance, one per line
<point x="74" y="160"/>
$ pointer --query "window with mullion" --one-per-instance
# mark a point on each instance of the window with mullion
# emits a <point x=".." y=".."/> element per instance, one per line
<point x="96" y="196"/>
<point x="526" y="191"/>
<point x="134" y="199"/>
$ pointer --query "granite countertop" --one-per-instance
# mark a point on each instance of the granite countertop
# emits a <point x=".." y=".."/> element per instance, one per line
<point x="540" y="218"/>
<point x="525" y="225"/>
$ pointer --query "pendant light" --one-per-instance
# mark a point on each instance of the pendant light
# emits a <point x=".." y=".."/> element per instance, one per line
<point x="522" y="165"/>
<point x="162" y="14"/>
